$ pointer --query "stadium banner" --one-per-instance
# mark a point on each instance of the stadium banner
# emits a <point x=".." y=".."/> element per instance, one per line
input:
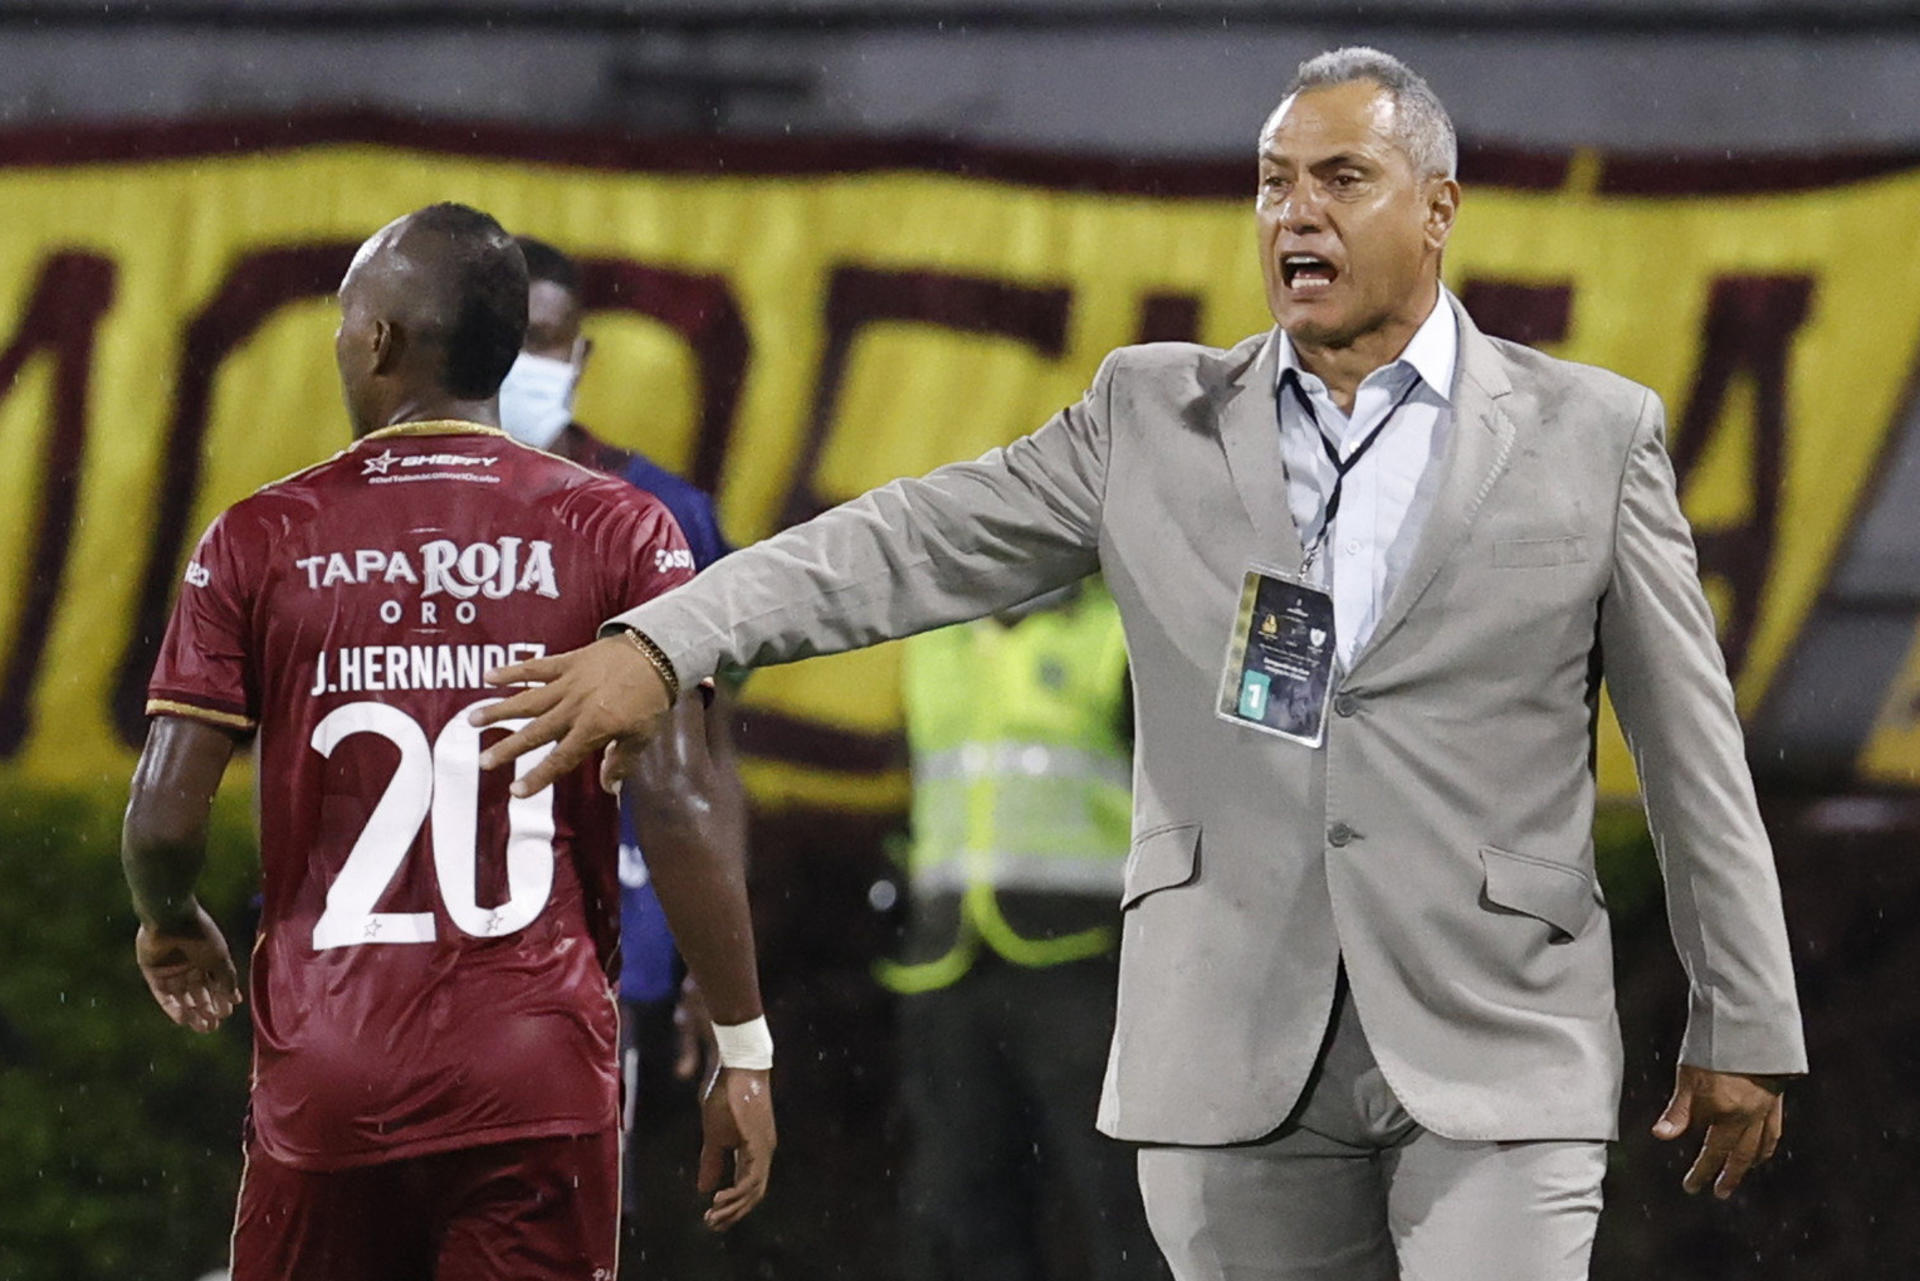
<point x="791" y="324"/>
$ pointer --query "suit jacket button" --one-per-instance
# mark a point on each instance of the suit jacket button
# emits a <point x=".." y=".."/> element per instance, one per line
<point x="1345" y="704"/>
<point x="1340" y="834"/>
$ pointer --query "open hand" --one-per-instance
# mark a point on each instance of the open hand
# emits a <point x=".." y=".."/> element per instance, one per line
<point x="189" y="972"/>
<point x="737" y="1117"/>
<point x="1742" y="1115"/>
<point x="582" y="700"/>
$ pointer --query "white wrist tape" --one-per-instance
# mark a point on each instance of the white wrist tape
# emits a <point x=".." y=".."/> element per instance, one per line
<point x="745" y="1045"/>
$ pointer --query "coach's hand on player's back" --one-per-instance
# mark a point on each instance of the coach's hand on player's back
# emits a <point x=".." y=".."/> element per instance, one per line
<point x="737" y="1117"/>
<point x="580" y="701"/>
<point x="189" y="971"/>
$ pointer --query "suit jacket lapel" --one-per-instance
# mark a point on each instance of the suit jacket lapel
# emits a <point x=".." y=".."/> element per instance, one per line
<point x="1476" y="454"/>
<point x="1250" y="434"/>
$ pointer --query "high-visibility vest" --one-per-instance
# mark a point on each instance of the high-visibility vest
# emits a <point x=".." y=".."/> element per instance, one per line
<point x="1021" y="790"/>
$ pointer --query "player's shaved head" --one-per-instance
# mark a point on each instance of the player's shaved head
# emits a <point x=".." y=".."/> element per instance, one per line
<point x="433" y="313"/>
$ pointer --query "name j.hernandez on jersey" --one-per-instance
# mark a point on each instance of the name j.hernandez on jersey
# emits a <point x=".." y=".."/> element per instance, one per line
<point x="494" y="570"/>
<point x="356" y="669"/>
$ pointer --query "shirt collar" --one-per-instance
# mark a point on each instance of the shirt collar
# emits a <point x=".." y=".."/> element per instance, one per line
<point x="434" y="427"/>
<point x="1431" y="352"/>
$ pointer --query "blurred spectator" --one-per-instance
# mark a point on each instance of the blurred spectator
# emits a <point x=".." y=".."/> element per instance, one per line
<point x="1020" y="729"/>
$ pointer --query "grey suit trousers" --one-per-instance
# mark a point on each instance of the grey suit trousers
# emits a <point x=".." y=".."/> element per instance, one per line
<point x="1351" y="1188"/>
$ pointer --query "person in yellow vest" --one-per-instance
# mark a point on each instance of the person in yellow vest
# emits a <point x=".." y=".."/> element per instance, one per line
<point x="1020" y="730"/>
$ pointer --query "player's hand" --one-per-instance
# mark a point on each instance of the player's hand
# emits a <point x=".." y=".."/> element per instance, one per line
<point x="737" y="1116"/>
<point x="618" y="763"/>
<point x="190" y="973"/>
<point x="696" y="1054"/>
<point x="582" y="700"/>
<point x="1742" y="1116"/>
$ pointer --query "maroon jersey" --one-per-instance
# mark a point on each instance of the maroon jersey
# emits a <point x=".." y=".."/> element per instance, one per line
<point x="432" y="967"/>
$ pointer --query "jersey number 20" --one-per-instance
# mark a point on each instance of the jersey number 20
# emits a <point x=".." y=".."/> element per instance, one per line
<point x="442" y="779"/>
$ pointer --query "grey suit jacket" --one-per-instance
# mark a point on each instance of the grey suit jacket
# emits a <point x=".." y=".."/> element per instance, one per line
<point x="1440" y="842"/>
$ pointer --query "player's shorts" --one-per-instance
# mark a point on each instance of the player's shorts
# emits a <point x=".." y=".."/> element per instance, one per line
<point x="531" y="1210"/>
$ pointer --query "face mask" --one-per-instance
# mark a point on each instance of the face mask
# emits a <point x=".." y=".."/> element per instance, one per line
<point x="536" y="400"/>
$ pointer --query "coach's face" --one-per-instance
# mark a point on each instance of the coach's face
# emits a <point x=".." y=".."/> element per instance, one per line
<point x="1350" y="231"/>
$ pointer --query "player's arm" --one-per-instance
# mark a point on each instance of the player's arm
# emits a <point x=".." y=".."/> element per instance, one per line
<point x="693" y="1022"/>
<point x="731" y="793"/>
<point x="691" y="820"/>
<point x="163" y="847"/>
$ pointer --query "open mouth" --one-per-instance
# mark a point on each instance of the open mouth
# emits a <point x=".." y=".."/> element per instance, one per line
<point x="1307" y="273"/>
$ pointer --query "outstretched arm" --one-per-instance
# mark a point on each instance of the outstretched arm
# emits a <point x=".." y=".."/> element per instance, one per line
<point x="957" y="544"/>
<point x="163" y="846"/>
<point x="690" y="819"/>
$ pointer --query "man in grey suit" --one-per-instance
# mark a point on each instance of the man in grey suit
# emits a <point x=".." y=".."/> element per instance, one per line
<point x="1366" y="1024"/>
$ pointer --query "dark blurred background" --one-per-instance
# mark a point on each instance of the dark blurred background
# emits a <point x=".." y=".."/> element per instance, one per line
<point x="1720" y="197"/>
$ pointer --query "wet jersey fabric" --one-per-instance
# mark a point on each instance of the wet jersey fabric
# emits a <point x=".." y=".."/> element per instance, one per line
<point x="433" y="965"/>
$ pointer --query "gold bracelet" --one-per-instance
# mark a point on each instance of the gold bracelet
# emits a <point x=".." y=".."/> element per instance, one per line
<point x="658" y="657"/>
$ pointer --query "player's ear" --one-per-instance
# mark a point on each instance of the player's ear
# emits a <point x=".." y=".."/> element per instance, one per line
<point x="386" y="347"/>
<point x="1443" y="206"/>
<point x="581" y="352"/>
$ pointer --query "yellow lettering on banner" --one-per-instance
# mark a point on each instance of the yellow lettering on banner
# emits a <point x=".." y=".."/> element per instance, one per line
<point x="801" y="337"/>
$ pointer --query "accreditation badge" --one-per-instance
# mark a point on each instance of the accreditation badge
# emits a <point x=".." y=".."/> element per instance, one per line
<point x="1279" y="669"/>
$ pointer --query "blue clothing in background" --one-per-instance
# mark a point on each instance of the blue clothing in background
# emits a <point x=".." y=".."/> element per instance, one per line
<point x="649" y="962"/>
<point x="690" y="505"/>
<point x="650" y="965"/>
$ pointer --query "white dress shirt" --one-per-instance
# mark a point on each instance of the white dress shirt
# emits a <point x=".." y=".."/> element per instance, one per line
<point x="1386" y="496"/>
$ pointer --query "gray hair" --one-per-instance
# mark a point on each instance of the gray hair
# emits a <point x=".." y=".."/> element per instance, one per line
<point x="1421" y="125"/>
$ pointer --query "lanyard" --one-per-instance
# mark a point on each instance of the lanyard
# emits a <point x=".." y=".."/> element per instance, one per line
<point x="1340" y="467"/>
